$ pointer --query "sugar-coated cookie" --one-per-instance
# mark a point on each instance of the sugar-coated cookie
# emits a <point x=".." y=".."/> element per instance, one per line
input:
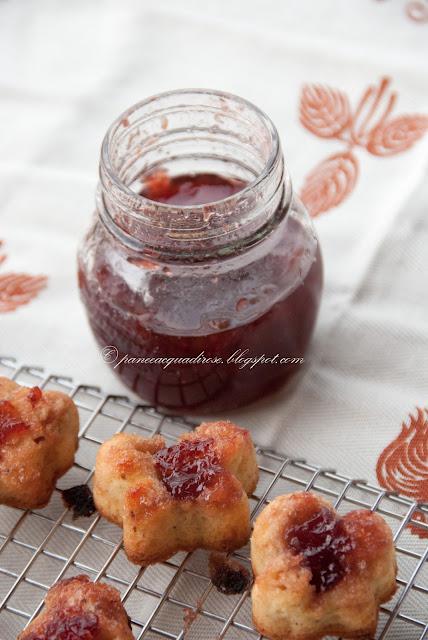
<point x="38" y="440"/>
<point x="190" y="495"/>
<point x="319" y="574"/>
<point x="78" y="609"/>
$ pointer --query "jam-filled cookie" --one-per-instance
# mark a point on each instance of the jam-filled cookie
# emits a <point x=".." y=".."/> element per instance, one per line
<point x="187" y="496"/>
<point x="38" y="440"/>
<point x="319" y="574"/>
<point x="78" y="609"/>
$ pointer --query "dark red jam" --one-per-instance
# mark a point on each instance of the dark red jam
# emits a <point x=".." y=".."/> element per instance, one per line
<point x="71" y="627"/>
<point x="34" y="395"/>
<point x="324" y="544"/>
<point x="11" y="422"/>
<point x="149" y="316"/>
<point x="190" y="190"/>
<point x="187" y="468"/>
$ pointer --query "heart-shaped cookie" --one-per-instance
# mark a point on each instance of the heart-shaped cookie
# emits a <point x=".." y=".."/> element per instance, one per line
<point x="319" y="574"/>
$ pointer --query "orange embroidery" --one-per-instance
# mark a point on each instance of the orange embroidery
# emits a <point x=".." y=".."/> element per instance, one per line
<point x="403" y="465"/>
<point x="2" y="256"/>
<point x="17" y="289"/>
<point x="326" y="112"/>
<point x="397" y="135"/>
<point x="417" y="10"/>
<point x="330" y="182"/>
<point x="372" y="110"/>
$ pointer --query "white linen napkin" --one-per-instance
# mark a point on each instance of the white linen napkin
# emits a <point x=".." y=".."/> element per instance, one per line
<point x="68" y="69"/>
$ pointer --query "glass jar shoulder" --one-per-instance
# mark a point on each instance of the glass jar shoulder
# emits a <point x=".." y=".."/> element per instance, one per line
<point x="196" y="299"/>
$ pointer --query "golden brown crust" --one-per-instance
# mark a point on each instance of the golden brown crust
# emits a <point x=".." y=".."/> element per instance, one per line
<point x="287" y="607"/>
<point x="38" y="440"/>
<point x="235" y="449"/>
<point x="128" y="491"/>
<point x="99" y="603"/>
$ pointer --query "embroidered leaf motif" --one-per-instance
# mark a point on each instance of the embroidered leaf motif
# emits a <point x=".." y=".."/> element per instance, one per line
<point x="330" y="182"/>
<point x="403" y="465"/>
<point x="2" y="255"/>
<point x="17" y="289"/>
<point x="324" y="111"/>
<point x="417" y="10"/>
<point x="397" y="135"/>
<point x="372" y="110"/>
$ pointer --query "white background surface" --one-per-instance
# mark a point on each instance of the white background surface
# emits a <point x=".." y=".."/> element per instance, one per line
<point x="69" y="68"/>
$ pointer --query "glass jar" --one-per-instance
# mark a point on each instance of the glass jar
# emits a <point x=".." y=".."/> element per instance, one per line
<point x="207" y="299"/>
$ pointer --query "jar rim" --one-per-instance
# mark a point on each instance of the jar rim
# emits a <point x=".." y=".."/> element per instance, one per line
<point x="141" y="200"/>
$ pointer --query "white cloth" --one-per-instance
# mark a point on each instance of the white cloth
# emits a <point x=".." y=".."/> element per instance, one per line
<point x="68" y="69"/>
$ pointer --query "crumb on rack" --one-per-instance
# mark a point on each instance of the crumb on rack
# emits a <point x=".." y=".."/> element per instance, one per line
<point x="189" y="617"/>
<point x="228" y="575"/>
<point x="80" y="500"/>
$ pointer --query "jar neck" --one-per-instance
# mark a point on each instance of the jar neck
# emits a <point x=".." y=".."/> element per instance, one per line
<point x="185" y="133"/>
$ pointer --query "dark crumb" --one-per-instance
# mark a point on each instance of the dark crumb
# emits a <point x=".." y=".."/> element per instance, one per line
<point x="227" y="575"/>
<point x="80" y="500"/>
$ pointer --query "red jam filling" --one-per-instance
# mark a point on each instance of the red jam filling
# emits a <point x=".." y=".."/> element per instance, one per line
<point x="73" y="627"/>
<point x="189" y="190"/>
<point x="11" y="422"/>
<point x="324" y="544"/>
<point x="188" y="467"/>
<point x="34" y="395"/>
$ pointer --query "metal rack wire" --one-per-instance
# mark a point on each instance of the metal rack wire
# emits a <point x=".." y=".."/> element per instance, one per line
<point x="37" y="548"/>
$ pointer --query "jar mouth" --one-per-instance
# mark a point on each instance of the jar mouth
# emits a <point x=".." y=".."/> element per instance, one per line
<point x="140" y="201"/>
<point x="189" y="132"/>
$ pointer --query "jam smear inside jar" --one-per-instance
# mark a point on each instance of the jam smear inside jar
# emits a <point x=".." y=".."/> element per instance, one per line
<point x="11" y="422"/>
<point x="201" y="269"/>
<point x="188" y="467"/>
<point x="191" y="189"/>
<point x="82" y="626"/>
<point x="324" y="544"/>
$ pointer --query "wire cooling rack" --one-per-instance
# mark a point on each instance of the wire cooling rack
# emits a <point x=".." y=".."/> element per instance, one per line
<point x="175" y="599"/>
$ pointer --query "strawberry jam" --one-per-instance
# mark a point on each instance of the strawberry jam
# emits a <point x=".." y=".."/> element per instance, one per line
<point x="324" y="544"/>
<point x="188" y="467"/>
<point x="34" y="395"/>
<point x="82" y="626"/>
<point x="189" y="190"/>
<point x="11" y="422"/>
